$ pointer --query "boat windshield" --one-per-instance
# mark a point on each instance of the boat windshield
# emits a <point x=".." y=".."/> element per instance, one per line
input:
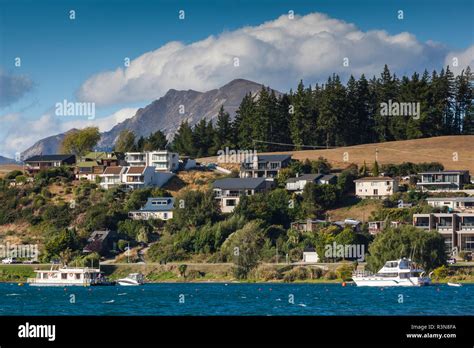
<point x="391" y="264"/>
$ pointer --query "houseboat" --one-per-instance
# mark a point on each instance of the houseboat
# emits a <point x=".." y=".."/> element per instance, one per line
<point x="401" y="272"/>
<point x="67" y="276"/>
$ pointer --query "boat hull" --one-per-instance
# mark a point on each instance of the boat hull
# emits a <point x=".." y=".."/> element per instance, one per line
<point x="389" y="282"/>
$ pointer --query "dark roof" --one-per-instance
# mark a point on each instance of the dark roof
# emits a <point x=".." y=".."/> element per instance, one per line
<point x="239" y="183"/>
<point x="327" y="177"/>
<point x="158" y="204"/>
<point x="135" y="170"/>
<point x="273" y="158"/>
<point x="49" y="158"/>
<point x="113" y="170"/>
<point x="446" y="172"/>
<point x="99" y="235"/>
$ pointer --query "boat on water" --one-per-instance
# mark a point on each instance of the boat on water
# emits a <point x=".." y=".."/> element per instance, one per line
<point x="69" y="276"/>
<point x="402" y="272"/>
<point x="455" y="284"/>
<point x="133" y="279"/>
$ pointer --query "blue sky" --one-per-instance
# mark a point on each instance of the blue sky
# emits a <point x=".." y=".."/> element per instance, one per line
<point x="59" y="55"/>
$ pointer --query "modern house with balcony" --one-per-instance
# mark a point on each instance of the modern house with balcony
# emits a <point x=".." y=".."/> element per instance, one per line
<point x="228" y="191"/>
<point x="264" y="166"/>
<point x="298" y="183"/>
<point x="375" y="187"/>
<point x="456" y="228"/>
<point x="111" y="177"/>
<point x="454" y="204"/>
<point x="37" y="163"/>
<point x="155" y="208"/>
<point x="448" y="180"/>
<point x="138" y="177"/>
<point x="162" y="161"/>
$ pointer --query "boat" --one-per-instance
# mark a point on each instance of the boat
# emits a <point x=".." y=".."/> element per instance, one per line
<point x="133" y="279"/>
<point x="402" y="272"/>
<point x="454" y="284"/>
<point x="69" y="276"/>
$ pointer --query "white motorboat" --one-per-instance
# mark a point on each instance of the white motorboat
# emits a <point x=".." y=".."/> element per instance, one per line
<point x="133" y="279"/>
<point x="455" y="284"/>
<point x="67" y="276"/>
<point x="401" y="272"/>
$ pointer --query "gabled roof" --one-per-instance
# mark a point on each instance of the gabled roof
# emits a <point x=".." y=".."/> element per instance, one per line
<point x="49" y="158"/>
<point x="113" y="170"/>
<point x="135" y="170"/>
<point x="239" y="183"/>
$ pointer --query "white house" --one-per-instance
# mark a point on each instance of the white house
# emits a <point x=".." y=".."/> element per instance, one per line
<point x="155" y="208"/>
<point x="459" y="204"/>
<point x="298" y="183"/>
<point x="133" y="177"/>
<point x="375" y="187"/>
<point x="310" y="257"/>
<point x="162" y="160"/>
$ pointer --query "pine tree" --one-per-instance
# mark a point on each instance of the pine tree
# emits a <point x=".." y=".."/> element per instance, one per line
<point x="223" y="131"/>
<point x="242" y="126"/>
<point x="183" y="141"/>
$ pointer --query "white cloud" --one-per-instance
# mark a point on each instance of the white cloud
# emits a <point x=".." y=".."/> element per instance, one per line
<point x="277" y="53"/>
<point x="20" y="133"/>
<point x="463" y="59"/>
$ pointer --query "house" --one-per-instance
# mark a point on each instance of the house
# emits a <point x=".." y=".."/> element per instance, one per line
<point x="133" y="177"/>
<point x="456" y="204"/>
<point x="314" y="225"/>
<point x="161" y="160"/>
<point x="101" y="242"/>
<point x="375" y="227"/>
<point x="308" y="225"/>
<point x="111" y="177"/>
<point x="155" y="208"/>
<point x="310" y="256"/>
<point x="448" y="180"/>
<point x="375" y="187"/>
<point x="36" y="163"/>
<point x="263" y="166"/>
<point x="456" y="228"/>
<point x="138" y="177"/>
<point x="229" y="190"/>
<point x="94" y="163"/>
<point x="298" y="183"/>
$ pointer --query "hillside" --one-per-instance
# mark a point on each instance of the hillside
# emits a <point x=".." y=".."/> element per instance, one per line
<point x="438" y="149"/>
<point x="164" y="114"/>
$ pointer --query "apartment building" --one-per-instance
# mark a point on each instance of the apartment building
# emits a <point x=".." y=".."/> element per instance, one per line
<point x="456" y="204"/>
<point x="456" y="228"/>
<point x="162" y="160"/>
<point x="264" y="166"/>
<point x="448" y="180"/>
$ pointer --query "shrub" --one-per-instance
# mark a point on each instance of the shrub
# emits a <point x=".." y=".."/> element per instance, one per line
<point x="317" y="273"/>
<point x="330" y="275"/>
<point x="266" y="273"/>
<point x="344" y="271"/>
<point x="297" y="273"/>
<point x="441" y="272"/>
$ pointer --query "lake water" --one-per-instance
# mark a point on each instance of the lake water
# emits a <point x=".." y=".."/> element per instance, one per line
<point x="236" y="299"/>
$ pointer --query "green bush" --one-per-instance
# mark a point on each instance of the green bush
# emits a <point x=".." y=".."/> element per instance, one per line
<point x="441" y="272"/>
<point x="344" y="271"/>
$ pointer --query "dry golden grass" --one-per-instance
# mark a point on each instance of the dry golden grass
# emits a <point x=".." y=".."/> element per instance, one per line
<point x="360" y="212"/>
<point x="192" y="180"/>
<point x="439" y="149"/>
<point x="6" y="168"/>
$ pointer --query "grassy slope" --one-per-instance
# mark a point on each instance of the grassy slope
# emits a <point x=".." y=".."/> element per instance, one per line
<point x="438" y="149"/>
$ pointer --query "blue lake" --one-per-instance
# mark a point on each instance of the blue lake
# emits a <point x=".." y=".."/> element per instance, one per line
<point x="236" y="299"/>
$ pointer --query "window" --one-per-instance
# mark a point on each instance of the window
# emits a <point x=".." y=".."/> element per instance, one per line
<point x="63" y="275"/>
<point x="376" y="191"/>
<point x="230" y="203"/>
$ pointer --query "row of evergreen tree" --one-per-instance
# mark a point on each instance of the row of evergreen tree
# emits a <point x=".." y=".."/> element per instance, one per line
<point x="334" y="114"/>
